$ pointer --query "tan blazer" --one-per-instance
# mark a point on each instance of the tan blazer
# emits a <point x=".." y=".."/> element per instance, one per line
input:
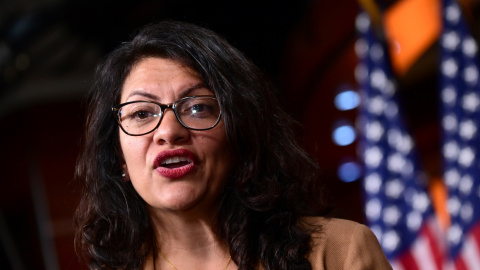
<point x="343" y="244"/>
<point x="340" y="244"/>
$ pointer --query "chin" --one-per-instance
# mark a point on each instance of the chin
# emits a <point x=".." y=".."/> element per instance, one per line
<point x="180" y="205"/>
<point x="182" y="196"/>
<point x="180" y="201"/>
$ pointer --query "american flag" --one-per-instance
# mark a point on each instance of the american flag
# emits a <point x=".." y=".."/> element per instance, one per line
<point x="397" y="206"/>
<point x="460" y="99"/>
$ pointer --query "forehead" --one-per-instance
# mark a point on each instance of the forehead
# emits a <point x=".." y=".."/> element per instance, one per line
<point x="161" y="68"/>
<point x="161" y="77"/>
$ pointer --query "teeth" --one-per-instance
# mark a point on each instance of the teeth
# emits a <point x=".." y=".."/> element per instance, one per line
<point x="174" y="160"/>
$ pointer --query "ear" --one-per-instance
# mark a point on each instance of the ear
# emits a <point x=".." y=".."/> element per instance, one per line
<point x="125" y="175"/>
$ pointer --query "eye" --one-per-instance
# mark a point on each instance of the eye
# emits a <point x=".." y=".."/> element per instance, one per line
<point x="199" y="108"/>
<point x="139" y="112"/>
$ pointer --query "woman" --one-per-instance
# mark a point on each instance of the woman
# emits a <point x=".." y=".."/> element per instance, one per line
<point x="189" y="163"/>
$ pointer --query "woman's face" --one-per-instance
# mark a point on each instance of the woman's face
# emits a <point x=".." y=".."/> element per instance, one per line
<point x="205" y="160"/>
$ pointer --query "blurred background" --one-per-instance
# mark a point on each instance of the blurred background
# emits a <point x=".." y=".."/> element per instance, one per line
<point x="48" y="52"/>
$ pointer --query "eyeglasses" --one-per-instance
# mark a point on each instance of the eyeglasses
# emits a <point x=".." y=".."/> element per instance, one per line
<point x="138" y="118"/>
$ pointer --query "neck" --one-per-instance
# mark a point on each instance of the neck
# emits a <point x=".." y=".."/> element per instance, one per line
<point x="187" y="240"/>
<point x="183" y="229"/>
<point x="185" y="234"/>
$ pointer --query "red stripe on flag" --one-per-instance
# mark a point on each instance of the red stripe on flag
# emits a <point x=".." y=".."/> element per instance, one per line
<point x="475" y="232"/>
<point x="460" y="264"/>
<point x="408" y="261"/>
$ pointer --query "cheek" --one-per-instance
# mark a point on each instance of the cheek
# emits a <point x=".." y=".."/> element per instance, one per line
<point x="133" y="151"/>
<point x="220" y="151"/>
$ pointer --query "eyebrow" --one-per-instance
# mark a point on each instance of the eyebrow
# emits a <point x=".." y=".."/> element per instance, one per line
<point x="143" y="94"/>
<point x="183" y="94"/>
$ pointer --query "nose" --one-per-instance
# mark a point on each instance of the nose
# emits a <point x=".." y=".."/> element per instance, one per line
<point x="170" y="130"/>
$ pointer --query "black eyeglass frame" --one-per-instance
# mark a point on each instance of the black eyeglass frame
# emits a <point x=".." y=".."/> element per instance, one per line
<point x="163" y="107"/>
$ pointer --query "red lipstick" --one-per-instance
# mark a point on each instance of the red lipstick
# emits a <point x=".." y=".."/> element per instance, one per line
<point x="174" y="164"/>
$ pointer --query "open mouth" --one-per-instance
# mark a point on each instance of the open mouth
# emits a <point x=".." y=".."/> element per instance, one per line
<point x="175" y="162"/>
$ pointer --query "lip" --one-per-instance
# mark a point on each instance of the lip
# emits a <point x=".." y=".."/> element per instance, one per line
<point x="174" y="173"/>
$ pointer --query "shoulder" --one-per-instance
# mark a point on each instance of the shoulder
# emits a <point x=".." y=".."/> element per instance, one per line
<point x="344" y="244"/>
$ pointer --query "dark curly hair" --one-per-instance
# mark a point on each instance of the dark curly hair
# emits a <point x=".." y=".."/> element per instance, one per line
<point x="259" y="216"/>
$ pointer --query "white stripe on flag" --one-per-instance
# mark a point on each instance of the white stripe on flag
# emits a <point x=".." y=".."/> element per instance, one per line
<point x="422" y="253"/>
<point x="449" y="266"/>
<point x="470" y="253"/>
<point x="438" y="235"/>
<point x="396" y="265"/>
